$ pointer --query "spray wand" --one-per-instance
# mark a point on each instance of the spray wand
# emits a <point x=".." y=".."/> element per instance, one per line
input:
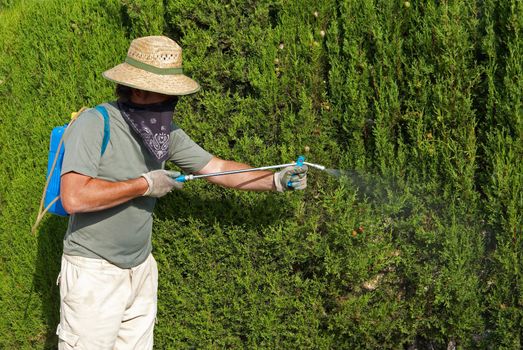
<point x="299" y="162"/>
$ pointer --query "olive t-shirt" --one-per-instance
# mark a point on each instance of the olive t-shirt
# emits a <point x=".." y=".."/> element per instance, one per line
<point x="121" y="234"/>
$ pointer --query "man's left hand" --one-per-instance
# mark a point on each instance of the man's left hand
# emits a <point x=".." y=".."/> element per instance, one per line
<point x="291" y="178"/>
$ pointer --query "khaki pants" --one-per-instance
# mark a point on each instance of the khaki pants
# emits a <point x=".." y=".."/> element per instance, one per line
<point x="105" y="307"/>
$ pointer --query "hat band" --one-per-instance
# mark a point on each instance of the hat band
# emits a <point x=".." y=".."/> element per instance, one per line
<point x="152" y="69"/>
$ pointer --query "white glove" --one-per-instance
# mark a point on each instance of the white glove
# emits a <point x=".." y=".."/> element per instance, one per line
<point x="161" y="182"/>
<point x="291" y="178"/>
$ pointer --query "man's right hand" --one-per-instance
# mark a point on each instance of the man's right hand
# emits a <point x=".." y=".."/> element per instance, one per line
<point x="161" y="182"/>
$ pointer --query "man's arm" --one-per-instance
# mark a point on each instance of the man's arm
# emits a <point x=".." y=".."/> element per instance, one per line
<point x="80" y="193"/>
<point x="253" y="180"/>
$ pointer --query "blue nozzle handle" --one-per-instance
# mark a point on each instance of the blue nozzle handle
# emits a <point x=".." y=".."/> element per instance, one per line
<point x="299" y="162"/>
<point x="181" y="178"/>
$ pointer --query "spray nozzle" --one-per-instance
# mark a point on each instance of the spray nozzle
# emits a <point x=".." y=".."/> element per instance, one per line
<point x="301" y="161"/>
<point x="317" y="166"/>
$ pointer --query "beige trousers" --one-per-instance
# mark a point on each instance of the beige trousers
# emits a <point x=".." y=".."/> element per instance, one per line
<point x="105" y="307"/>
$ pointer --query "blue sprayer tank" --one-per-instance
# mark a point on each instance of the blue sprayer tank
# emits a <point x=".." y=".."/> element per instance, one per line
<point x="53" y="188"/>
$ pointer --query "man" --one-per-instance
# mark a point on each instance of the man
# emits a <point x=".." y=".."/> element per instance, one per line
<point x="108" y="279"/>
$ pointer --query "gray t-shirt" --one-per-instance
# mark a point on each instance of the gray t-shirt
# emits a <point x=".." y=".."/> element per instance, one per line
<point x="122" y="234"/>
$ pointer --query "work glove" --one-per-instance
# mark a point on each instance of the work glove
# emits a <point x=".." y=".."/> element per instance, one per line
<point x="291" y="178"/>
<point x="161" y="182"/>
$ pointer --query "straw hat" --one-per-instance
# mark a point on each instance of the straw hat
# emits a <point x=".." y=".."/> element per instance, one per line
<point x="153" y="63"/>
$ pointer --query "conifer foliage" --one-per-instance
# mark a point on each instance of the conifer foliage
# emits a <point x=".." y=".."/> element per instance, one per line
<point x="416" y="104"/>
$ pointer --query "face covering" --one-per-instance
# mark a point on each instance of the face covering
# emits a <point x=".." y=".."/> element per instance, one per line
<point x="152" y="123"/>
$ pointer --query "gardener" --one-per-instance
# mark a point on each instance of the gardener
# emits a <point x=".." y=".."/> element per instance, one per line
<point x="108" y="280"/>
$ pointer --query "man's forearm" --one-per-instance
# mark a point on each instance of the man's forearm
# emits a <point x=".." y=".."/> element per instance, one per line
<point x="252" y="180"/>
<point x="80" y="193"/>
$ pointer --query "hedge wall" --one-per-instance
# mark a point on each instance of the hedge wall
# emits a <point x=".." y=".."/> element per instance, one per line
<point x="418" y="105"/>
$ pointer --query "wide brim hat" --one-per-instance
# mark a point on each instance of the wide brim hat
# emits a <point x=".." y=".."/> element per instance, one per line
<point x="153" y="63"/>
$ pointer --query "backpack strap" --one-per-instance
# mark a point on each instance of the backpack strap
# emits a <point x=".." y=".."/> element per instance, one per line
<point x="107" y="130"/>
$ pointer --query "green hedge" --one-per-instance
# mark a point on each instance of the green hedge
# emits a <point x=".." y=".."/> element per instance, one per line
<point x="418" y="103"/>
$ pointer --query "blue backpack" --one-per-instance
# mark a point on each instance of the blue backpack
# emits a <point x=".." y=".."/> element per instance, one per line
<point x="51" y="199"/>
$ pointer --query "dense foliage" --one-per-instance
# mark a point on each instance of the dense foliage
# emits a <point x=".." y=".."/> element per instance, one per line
<point x="417" y="245"/>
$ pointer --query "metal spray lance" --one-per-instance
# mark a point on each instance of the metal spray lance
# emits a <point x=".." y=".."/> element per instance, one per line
<point x="299" y="162"/>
